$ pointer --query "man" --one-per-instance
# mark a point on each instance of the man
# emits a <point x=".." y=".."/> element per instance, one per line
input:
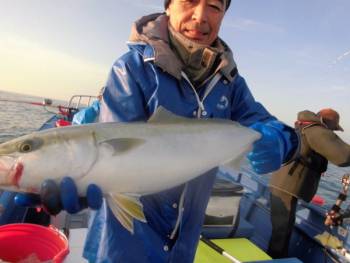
<point x="177" y="61"/>
<point x="300" y="178"/>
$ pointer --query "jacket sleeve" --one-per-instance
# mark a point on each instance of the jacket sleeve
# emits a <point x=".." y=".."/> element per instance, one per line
<point x="329" y="145"/>
<point x="123" y="99"/>
<point x="87" y="115"/>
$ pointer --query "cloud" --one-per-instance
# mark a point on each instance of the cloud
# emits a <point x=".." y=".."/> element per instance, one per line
<point x="341" y="63"/>
<point x="244" y="24"/>
<point x="339" y="88"/>
<point x="30" y="68"/>
<point x="341" y="57"/>
<point x="333" y="90"/>
<point x="150" y="5"/>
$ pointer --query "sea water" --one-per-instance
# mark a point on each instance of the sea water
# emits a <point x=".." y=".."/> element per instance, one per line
<point x="19" y="117"/>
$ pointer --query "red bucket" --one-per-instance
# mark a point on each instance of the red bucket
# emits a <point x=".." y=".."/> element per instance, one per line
<point x="19" y="242"/>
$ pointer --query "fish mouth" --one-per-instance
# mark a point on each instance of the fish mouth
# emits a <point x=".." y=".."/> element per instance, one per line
<point x="10" y="171"/>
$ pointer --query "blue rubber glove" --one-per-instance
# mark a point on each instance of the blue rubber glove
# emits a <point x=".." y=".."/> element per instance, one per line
<point x="276" y="144"/>
<point x="88" y="114"/>
<point x="54" y="198"/>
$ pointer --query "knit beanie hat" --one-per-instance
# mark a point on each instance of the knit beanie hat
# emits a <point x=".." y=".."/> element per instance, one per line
<point x="167" y="2"/>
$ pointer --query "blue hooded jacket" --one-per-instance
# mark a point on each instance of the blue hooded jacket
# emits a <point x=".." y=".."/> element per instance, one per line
<point x="140" y="81"/>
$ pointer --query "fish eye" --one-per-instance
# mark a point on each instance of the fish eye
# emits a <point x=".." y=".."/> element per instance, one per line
<point x="25" y="147"/>
<point x="30" y="145"/>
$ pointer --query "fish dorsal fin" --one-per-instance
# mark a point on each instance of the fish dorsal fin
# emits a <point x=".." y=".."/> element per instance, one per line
<point x="162" y="115"/>
<point x="123" y="145"/>
<point x="126" y="208"/>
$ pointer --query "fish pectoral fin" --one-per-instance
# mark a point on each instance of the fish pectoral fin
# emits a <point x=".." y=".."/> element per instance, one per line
<point x="123" y="145"/>
<point x="328" y="240"/>
<point x="126" y="208"/>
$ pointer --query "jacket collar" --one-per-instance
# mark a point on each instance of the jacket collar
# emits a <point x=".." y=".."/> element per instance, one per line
<point x="150" y="36"/>
<point x="308" y="116"/>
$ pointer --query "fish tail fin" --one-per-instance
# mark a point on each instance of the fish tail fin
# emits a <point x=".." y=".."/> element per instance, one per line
<point x="239" y="161"/>
<point x="126" y="208"/>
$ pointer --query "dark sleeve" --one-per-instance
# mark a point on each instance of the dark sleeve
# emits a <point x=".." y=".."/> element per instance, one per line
<point x="329" y="145"/>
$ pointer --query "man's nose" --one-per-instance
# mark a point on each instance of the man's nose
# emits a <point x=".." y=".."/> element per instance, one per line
<point x="200" y="12"/>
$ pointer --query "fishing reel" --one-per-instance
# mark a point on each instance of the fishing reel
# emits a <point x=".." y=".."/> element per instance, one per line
<point x="47" y="102"/>
<point x="336" y="216"/>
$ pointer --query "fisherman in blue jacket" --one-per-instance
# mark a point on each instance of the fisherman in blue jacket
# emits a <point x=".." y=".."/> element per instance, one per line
<point x="175" y="60"/>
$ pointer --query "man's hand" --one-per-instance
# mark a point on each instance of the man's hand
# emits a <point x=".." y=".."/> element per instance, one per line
<point x="54" y="198"/>
<point x="273" y="148"/>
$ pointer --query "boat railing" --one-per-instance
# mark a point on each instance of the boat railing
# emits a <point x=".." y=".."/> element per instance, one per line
<point x="81" y="101"/>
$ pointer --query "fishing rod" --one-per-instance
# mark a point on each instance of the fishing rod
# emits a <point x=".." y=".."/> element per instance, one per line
<point x="66" y="111"/>
<point x="332" y="245"/>
<point x="218" y="249"/>
<point x="335" y="216"/>
<point x="44" y="103"/>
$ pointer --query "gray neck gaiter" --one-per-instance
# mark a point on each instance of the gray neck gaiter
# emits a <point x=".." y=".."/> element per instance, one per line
<point x="199" y="61"/>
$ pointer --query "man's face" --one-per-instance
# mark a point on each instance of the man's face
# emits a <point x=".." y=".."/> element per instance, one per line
<point x="197" y="20"/>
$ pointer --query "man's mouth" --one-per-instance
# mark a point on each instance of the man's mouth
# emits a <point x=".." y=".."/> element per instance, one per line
<point x="195" y="34"/>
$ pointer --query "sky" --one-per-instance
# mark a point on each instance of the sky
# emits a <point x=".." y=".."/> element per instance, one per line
<point x="294" y="55"/>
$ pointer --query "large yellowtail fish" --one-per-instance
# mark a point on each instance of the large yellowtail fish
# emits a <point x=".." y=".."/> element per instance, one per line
<point x="126" y="160"/>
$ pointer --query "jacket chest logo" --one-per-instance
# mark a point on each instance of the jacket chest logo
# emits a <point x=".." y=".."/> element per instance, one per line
<point x="223" y="103"/>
